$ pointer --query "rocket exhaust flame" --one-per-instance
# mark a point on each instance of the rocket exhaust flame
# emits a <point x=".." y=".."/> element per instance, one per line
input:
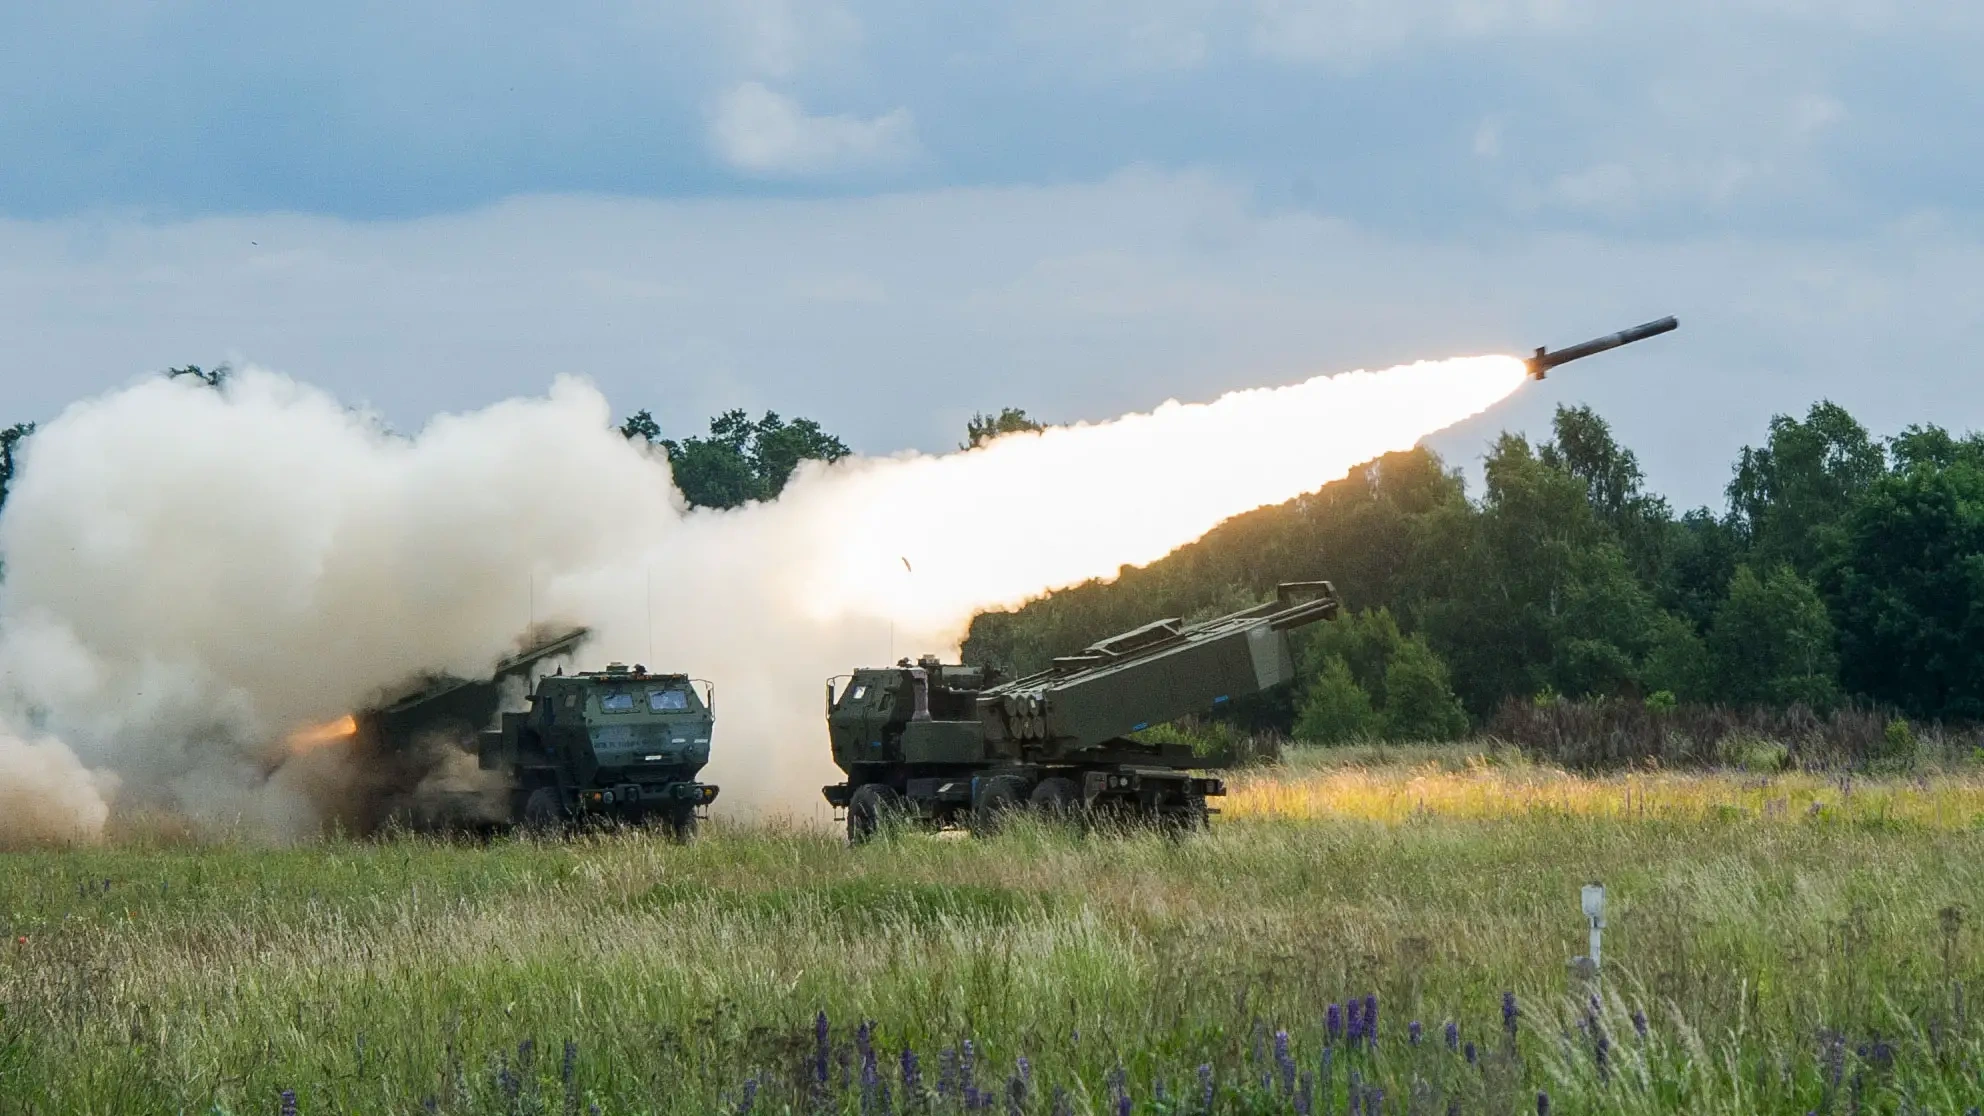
<point x="316" y="736"/>
<point x="333" y="562"/>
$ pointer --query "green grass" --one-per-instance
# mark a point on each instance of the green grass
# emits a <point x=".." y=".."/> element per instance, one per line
<point x="167" y="977"/>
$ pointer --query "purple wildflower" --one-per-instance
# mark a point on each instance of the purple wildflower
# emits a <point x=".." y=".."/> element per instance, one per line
<point x="1472" y="1054"/>
<point x="1333" y="1024"/>
<point x="1016" y="1090"/>
<point x="822" y="1049"/>
<point x="1601" y="1054"/>
<point x="1374" y="1103"/>
<point x="289" y="1102"/>
<point x="1305" y="1096"/>
<point x="750" y="1097"/>
<point x="1509" y="1013"/>
<point x="965" y="1085"/>
<point x="1371" y="1019"/>
<point x="1354" y="1031"/>
<point x="1412" y="1031"/>
<point x="1205" y="1086"/>
<point x="1639" y="1022"/>
<point x="947" y="1072"/>
<point x="1285" y="1061"/>
<point x="912" y="1075"/>
<point x="1542" y="1103"/>
<point x="1356" y="1094"/>
<point x="1453" y="1035"/>
<point x="1123" y="1105"/>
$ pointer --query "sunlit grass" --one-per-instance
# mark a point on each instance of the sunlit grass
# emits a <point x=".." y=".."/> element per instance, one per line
<point x="1449" y="782"/>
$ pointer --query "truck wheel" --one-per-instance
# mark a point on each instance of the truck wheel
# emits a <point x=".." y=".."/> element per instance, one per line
<point x="1057" y="799"/>
<point x="543" y="811"/>
<point x="682" y="825"/>
<point x="1003" y="797"/>
<point x="873" y="806"/>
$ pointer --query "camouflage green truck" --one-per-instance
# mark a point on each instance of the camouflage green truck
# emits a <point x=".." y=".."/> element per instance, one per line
<point x="622" y="742"/>
<point x="942" y="745"/>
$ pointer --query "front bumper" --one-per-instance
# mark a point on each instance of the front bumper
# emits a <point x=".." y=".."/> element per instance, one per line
<point x="651" y="796"/>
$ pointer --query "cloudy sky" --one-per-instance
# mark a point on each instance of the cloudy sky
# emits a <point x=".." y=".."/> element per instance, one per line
<point x="886" y="215"/>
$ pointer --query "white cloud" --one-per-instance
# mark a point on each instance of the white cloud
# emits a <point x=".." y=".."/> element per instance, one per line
<point x="891" y="319"/>
<point x="765" y="133"/>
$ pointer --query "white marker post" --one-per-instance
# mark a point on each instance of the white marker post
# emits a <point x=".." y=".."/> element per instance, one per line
<point x="1594" y="910"/>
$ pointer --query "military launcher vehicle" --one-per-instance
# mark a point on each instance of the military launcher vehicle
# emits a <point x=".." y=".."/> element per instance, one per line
<point x="621" y="743"/>
<point x="940" y="745"/>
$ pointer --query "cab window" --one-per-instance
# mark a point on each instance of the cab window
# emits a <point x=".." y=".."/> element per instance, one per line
<point x="860" y="692"/>
<point x="619" y="701"/>
<point x="667" y="701"/>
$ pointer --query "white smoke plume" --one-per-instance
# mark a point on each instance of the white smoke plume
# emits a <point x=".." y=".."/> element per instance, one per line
<point x="191" y="574"/>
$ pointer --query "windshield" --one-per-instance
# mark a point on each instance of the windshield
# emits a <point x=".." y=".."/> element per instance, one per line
<point x="618" y="701"/>
<point x="667" y="701"/>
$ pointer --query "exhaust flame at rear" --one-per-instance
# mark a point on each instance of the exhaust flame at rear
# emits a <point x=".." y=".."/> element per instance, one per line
<point x="189" y="569"/>
<point x="316" y="736"/>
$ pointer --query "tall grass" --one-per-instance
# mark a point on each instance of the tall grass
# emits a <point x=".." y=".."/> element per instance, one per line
<point x="1763" y="947"/>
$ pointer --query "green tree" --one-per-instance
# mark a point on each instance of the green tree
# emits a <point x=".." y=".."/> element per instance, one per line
<point x="1419" y="696"/>
<point x="1907" y="581"/>
<point x="10" y="449"/>
<point x="1010" y="420"/>
<point x="1790" y="497"/>
<point x="214" y="377"/>
<point x="1677" y="661"/>
<point x="741" y="460"/>
<point x="641" y="425"/>
<point x="1334" y="708"/>
<point x="1773" y="642"/>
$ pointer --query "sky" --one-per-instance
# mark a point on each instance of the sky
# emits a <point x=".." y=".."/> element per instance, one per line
<point x="888" y="215"/>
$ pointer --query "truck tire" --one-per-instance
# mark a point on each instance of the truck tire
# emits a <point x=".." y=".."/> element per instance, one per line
<point x="681" y="824"/>
<point x="1003" y="797"/>
<point x="873" y="806"/>
<point x="544" y="811"/>
<point x="1057" y="799"/>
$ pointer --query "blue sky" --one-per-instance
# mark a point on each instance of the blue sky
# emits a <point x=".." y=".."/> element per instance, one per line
<point x="887" y="215"/>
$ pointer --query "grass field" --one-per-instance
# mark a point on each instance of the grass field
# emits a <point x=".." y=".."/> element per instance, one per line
<point x="1777" y="944"/>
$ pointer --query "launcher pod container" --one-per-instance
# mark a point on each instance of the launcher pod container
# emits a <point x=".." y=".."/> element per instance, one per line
<point x="940" y="745"/>
<point x="619" y="743"/>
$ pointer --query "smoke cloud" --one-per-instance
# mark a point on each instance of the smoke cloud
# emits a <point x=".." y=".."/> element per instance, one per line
<point x="192" y="574"/>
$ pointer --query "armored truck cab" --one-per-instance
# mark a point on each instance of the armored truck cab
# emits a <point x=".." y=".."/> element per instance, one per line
<point x="940" y="744"/>
<point x="622" y="742"/>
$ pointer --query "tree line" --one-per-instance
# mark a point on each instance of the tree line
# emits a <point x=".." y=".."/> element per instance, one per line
<point x="1843" y="569"/>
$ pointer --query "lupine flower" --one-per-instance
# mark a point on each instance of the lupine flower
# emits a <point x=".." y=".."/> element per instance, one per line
<point x="1016" y="1090"/>
<point x="430" y="1103"/>
<point x="1354" y="1030"/>
<point x="1333" y="1023"/>
<point x="1305" y="1096"/>
<point x="1061" y="1106"/>
<point x="1256" y="1035"/>
<point x="1374" y="1103"/>
<point x="1509" y="1013"/>
<point x="289" y="1102"/>
<point x="912" y="1075"/>
<point x="1601" y="1054"/>
<point x="1639" y="1022"/>
<point x="1412" y="1032"/>
<point x="1205" y="1086"/>
<point x="822" y="1049"/>
<point x="965" y="1085"/>
<point x="1371" y="1019"/>
<point x="1472" y="1054"/>
<point x="1453" y="1035"/>
<point x="750" y="1097"/>
<point x="568" y="1073"/>
<point x="1285" y="1061"/>
<point x="1356" y="1095"/>
<point x="947" y="1067"/>
<point x="1542" y="1103"/>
